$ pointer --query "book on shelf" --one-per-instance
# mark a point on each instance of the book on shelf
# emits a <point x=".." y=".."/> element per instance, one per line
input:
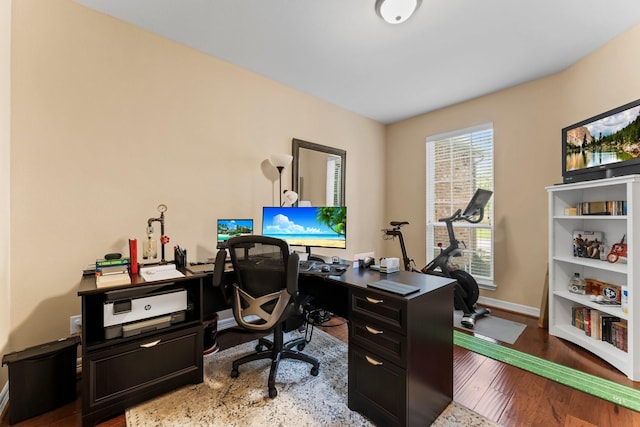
<point x="115" y="269"/>
<point x="106" y="267"/>
<point x="610" y="207"/>
<point x="619" y="335"/>
<point x="605" y="322"/>
<point x="102" y="262"/>
<point x="596" y="326"/>
<point x="116" y="279"/>
<point x="600" y="326"/>
<point x="580" y="317"/>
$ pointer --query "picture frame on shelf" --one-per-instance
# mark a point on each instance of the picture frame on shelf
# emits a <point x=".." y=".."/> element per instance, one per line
<point x="588" y="244"/>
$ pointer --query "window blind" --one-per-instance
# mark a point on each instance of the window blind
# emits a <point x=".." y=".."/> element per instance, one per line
<point x="458" y="163"/>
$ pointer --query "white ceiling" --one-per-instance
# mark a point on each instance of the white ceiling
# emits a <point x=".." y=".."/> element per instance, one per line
<point x="341" y="51"/>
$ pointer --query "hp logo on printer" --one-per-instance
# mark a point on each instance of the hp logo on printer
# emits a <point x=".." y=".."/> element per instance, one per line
<point x="147" y="307"/>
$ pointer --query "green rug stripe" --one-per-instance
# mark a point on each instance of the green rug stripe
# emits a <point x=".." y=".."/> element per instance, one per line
<point x="591" y="384"/>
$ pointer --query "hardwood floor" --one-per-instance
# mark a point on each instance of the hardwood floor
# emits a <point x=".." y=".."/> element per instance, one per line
<point x="502" y="393"/>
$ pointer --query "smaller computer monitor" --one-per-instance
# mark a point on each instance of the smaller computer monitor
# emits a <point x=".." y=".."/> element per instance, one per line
<point x="228" y="228"/>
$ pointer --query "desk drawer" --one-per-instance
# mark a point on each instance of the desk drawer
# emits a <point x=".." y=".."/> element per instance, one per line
<point x="379" y="339"/>
<point x="377" y="388"/>
<point x="157" y="362"/>
<point x="380" y="307"/>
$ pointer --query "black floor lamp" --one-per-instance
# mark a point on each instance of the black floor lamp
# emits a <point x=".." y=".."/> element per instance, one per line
<point x="280" y="161"/>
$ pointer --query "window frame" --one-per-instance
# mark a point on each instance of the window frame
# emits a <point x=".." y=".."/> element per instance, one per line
<point x="432" y="223"/>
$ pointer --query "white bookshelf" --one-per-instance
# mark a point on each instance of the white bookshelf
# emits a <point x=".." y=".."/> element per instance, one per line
<point x="562" y="264"/>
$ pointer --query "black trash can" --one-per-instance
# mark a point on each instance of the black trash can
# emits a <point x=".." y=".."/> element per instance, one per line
<point x="210" y="336"/>
<point x="41" y="378"/>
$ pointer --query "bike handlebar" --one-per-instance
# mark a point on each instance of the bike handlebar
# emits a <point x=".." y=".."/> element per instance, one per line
<point x="457" y="217"/>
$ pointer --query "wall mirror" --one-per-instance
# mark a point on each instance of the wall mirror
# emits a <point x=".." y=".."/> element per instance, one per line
<point x="318" y="174"/>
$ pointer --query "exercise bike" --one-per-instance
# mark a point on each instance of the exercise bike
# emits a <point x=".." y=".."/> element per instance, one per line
<point x="466" y="291"/>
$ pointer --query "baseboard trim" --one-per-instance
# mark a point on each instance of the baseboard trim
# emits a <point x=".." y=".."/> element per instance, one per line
<point x="509" y="306"/>
<point x="227" y="323"/>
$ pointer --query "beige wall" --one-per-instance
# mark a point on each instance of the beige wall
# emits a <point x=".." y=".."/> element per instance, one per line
<point x="110" y="120"/>
<point x="5" y="139"/>
<point x="606" y="79"/>
<point x="527" y="120"/>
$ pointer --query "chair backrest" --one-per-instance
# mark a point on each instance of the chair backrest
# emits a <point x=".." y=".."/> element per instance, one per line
<point x="266" y="280"/>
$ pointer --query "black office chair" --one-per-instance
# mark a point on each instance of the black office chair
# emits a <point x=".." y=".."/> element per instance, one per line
<point x="264" y="298"/>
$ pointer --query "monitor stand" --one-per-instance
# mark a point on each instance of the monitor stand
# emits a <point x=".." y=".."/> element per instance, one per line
<point x="317" y="258"/>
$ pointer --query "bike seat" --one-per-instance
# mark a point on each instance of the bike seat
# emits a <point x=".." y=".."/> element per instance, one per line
<point x="398" y="223"/>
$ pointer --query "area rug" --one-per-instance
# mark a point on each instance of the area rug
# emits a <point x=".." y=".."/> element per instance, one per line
<point x="492" y="327"/>
<point x="303" y="400"/>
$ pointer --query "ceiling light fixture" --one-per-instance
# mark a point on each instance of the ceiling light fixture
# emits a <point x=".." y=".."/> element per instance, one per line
<point x="396" y="11"/>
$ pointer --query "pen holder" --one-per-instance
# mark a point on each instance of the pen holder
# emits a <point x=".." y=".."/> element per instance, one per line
<point x="180" y="257"/>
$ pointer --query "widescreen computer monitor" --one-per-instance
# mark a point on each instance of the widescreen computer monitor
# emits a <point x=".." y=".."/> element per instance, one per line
<point x="309" y="226"/>
<point x="228" y="228"/>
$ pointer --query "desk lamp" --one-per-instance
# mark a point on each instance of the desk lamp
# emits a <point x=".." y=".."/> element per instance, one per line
<point x="290" y="197"/>
<point x="150" y="250"/>
<point x="280" y="161"/>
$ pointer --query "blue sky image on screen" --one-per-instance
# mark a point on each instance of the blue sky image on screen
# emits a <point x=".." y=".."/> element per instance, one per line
<point x="233" y="227"/>
<point x="301" y="227"/>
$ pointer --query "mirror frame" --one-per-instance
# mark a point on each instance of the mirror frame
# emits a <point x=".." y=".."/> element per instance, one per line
<point x="298" y="144"/>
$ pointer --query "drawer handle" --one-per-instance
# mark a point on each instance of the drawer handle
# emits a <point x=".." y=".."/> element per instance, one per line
<point x="374" y="301"/>
<point x="372" y="330"/>
<point x="150" y="344"/>
<point x="373" y="361"/>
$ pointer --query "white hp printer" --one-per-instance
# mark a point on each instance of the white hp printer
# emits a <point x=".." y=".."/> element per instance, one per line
<point x="132" y="312"/>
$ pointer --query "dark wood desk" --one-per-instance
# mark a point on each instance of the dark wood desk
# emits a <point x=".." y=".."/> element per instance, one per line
<point x="400" y="348"/>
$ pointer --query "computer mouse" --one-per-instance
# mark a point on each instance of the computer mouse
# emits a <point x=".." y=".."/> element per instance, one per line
<point x="325" y="269"/>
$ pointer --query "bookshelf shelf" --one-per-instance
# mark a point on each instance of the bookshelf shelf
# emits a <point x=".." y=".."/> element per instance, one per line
<point x="585" y="301"/>
<point x="563" y="264"/>
<point x="592" y="263"/>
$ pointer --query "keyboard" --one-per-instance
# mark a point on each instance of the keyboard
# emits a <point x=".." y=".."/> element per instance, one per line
<point x="306" y="265"/>
<point x="322" y="269"/>
<point x="394" y="287"/>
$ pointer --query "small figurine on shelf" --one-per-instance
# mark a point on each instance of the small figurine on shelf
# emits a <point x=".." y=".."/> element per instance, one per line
<point x="618" y="252"/>
<point x="577" y="284"/>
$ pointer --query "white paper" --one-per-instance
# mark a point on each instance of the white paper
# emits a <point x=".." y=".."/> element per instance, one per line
<point x="160" y="272"/>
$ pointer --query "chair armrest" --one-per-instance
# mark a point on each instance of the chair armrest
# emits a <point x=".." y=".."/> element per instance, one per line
<point x="218" y="269"/>
<point x="292" y="274"/>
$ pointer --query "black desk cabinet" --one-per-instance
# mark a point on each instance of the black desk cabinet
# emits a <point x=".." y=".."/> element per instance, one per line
<point x="400" y="348"/>
<point x="120" y="372"/>
<point x="401" y="354"/>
